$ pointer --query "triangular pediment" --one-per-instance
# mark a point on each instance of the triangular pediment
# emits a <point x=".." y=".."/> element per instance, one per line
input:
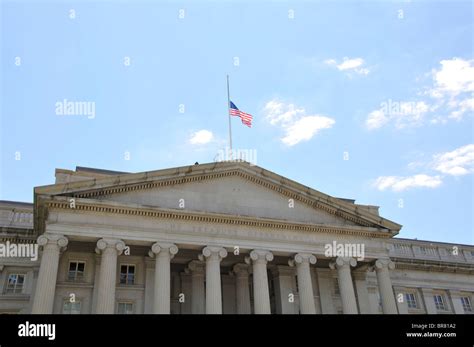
<point x="234" y="188"/>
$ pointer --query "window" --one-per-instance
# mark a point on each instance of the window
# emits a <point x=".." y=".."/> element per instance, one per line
<point x="251" y="287"/>
<point x="125" y="308"/>
<point x="336" y="287"/>
<point x="15" y="283"/>
<point x="76" y="271"/>
<point x="71" y="307"/>
<point x="466" y="304"/>
<point x="411" y="300"/>
<point x="127" y="274"/>
<point x="271" y="288"/>
<point x="439" y="302"/>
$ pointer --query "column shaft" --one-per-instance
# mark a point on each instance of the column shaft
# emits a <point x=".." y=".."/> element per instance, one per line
<point x="349" y="303"/>
<point x="389" y="305"/>
<point x="107" y="277"/>
<point x="305" y="285"/>
<point x="213" y="257"/>
<point x="242" y="288"/>
<point x="261" y="295"/>
<point x="162" y="296"/>
<point x="48" y="273"/>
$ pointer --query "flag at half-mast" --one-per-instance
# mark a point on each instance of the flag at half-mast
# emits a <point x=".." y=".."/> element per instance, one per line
<point x="245" y="117"/>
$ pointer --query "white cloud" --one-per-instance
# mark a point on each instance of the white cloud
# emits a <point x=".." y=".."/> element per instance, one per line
<point x="401" y="113"/>
<point x="279" y="113"/>
<point x="397" y="183"/>
<point x="305" y="128"/>
<point x="456" y="163"/>
<point x="330" y="62"/>
<point x="201" y="137"/>
<point x="451" y="96"/>
<point x="349" y="65"/>
<point x="454" y="77"/>
<point x="461" y="107"/>
<point x="376" y="119"/>
<point x="293" y="120"/>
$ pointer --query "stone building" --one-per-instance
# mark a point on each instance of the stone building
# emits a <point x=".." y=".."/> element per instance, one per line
<point x="223" y="237"/>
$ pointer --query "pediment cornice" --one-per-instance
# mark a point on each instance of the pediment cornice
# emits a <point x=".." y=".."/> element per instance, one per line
<point x="120" y="184"/>
<point x="103" y="207"/>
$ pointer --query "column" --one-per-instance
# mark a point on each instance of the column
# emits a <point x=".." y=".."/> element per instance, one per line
<point x="261" y="295"/>
<point x="229" y="300"/>
<point x="197" y="270"/>
<point x="163" y="253"/>
<point x="149" y="285"/>
<point x="186" y="289"/>
<point x="343" y="266"/>
<point x="382" y="266"/>
<point x="305" y="286"/>
<point x="455" y="296"/>
<point x="284" y="281"/>
<point x="325" y="281"/>
<point x="110" y="250"/>
<point x="400" y="300"/>
<point x="428" y="300"/>
<point x="360" y="282"/>
<point x="213" y="256"/>
<point x="48" y="272"/>
<point x="241" y="272"/>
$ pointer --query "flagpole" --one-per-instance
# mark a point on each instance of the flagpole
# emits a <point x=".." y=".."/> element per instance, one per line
<point x="228" y="111"/>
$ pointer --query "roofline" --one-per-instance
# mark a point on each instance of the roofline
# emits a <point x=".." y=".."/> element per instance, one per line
<point x="428" y="241"/>
<point x="21" y="203"/>
<point x="132" y="178"/>
<point x="101" y="171"/>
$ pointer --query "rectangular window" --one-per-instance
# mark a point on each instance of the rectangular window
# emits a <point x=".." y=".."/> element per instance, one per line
<point x="336" y="287"/>
<point x="72" y="307"/>
<point x="127" y="274"/>
<point x="271" y="287"/>
<point x="251" y="287"/>
<point x="15" y="284"/>
<point x="125" y="308"/>
<point x="76" y="271"/>
<point x="411" y="300"/>
<point x="439" y="302"/>
<point x="466" y="303"/>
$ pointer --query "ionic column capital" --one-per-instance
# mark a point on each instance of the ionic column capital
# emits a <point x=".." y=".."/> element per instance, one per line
<point x="259" y="256"/>
<point x="214" y="253"/>
<point x="241" y="270"/>
<point x="115" y="244"/>
<point x="342" y="262"/>
<point x="196" y="266"/>
<point x="160" y="247"/>
<point x="52" y="239"/>
<point x="302" y="258"/>
<point x="384" y="263"/>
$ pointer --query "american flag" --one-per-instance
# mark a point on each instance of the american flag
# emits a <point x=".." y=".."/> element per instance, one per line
<point x="245" y="117"/>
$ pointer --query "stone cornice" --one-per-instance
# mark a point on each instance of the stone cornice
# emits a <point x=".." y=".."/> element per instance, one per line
<point x="149" y="180"/>
<point x="438" y="266"/>
<point x="140" y="211"/>
<point x="18" y="239"/>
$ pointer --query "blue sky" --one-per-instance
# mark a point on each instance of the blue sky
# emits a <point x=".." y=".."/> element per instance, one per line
<point x="385" y="85"/>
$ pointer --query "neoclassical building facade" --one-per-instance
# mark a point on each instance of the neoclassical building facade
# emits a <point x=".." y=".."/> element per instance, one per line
<point x="225" y="237"/>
